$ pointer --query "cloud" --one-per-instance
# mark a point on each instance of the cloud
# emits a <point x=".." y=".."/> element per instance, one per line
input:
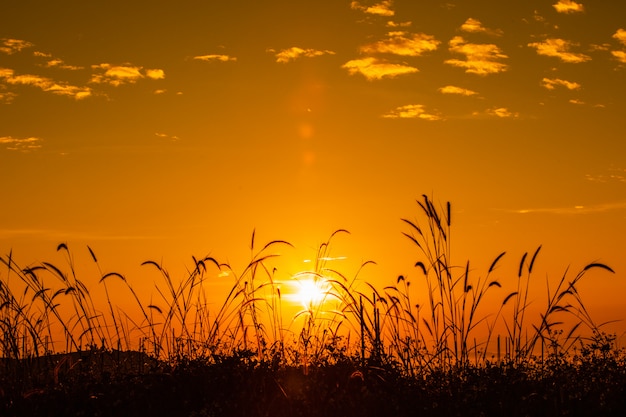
<point x="559" y="48"/>
<point x="376" y="69"/>
<point x="58" y="63"/>
<point x="481" y="59"/>
<point x="501" y="112"/>
<point x="294" y="53"/>
<point x="552" y="83"/>
<point x="568" y="6"/>
<point x="472" y="25"/>
<point x="20" y="145"/>
<point x="11" y="46"/>
<point x="54" y="62"/>
<point x="155" y="74"/>
<point x="620" y="56"/>
<point x="384" y="8"/>
<point x="45" y="84"/>
<point x="392" y="24"/>
<point x="579" y="209"/>
<point x="411" y="111"/>
<point x="451" y="89"/>
<point x="166" y="136"/>
<point x="7" y="96"/>
<point x="620" y="35"/>
<point x="215" y="57"/>
<point x="402" y="43"/>
<point x="576" y="101"/>
<point x="614" y="175"/>
<point x="117" y="75"/>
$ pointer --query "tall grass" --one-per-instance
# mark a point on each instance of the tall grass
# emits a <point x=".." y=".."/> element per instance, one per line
<point x="47" y="309"/>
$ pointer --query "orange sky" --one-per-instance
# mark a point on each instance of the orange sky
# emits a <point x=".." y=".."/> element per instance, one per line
<point x="149" y="130"/>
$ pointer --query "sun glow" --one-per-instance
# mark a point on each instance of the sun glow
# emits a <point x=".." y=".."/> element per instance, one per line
<point x="311" y="291"/>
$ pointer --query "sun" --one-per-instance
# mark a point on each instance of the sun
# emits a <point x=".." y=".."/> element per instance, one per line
<point x="311" y="292"/>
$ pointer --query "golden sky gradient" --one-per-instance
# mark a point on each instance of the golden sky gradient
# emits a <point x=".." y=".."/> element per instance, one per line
<point x="161" y="130"/>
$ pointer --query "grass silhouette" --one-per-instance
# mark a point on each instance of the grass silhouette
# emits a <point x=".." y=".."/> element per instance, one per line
<point x="360" y="350"/>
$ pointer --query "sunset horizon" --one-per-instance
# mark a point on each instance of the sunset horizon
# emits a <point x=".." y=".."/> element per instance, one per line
<point x="170" y="133"/>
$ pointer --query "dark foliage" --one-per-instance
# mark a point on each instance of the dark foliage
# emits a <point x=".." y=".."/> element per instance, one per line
<point x="237" y="385"/>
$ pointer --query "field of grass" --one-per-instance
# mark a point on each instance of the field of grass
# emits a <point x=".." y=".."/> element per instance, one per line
<point x="358" y="349"/>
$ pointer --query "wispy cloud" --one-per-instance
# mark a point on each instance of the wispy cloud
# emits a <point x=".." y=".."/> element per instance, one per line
<point x="384" y="8"/>
<point x="392" y="24"/>
<point x="58" y="63"/>
<point x="620" y="35"/>
<point x="481" y="59"/>
<point x="620" y="55"/>
<point x="6" y="97"/>
<point x="412" y="111"/>
<point x="376" y="69"/>
<point x="20" y="145"/>
<point x="500" y="112"/>
<point x="215" y="57"/>
<point x="52" y="62"/>
<point x="451" y="89"/>
<point x="293" y="53"/>
<point x="45" y="84"/>
<point x="117" y="75"/>
<point x="613" y="175"/>
<point x="552" y="83"/>
<point x="402" y="43"/>
<point x="559" y="48"/>
<point x="166" y="136"/>
<point x="472" y="25"/>
<point x="568" y="6"/>
<point x="11" y="46"/>
<point x="579" y="209"/>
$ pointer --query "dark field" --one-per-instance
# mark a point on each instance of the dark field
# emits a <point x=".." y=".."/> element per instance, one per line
<point x="123" y="384"/>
